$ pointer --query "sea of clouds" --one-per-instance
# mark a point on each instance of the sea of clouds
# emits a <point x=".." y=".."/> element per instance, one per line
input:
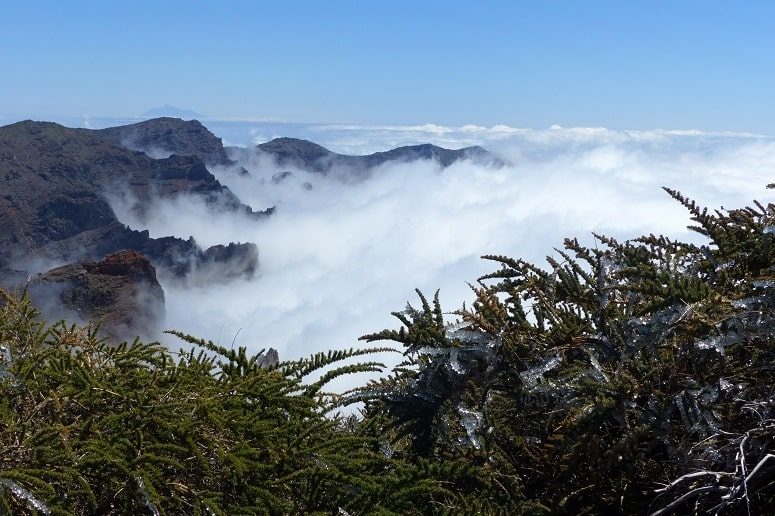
<point x="336" y="259"/>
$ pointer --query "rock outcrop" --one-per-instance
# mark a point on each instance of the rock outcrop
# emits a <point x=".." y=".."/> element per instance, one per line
<point x="120" y="292"/>
<point x="162" y="137"/>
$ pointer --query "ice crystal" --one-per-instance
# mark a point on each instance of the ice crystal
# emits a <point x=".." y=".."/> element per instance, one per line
<point x="597" y="372"/>
<point x="717" y="343"/>
<point x="725" y="385"/>
<point x="146" y="497"/>
<point x="454" y="362"/>
<point x="5" y="362"/>
<point x="471" y="420"/>
<point x="23" y="494"/>
<point x="532" y="376"/>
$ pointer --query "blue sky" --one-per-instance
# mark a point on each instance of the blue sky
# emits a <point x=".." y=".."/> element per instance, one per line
<point x="623" y="65"/>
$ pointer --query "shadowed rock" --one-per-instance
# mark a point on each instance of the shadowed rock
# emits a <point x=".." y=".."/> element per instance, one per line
<point x="165" y="136"/>
<point x="269" y="359"/>
<point x="53" y="206"/>
<point x="161" y="137"/>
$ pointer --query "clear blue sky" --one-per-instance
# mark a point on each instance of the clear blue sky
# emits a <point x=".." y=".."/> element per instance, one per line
<point x="704" y="64"/>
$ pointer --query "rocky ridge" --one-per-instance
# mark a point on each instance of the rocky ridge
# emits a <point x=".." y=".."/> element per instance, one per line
<point x="165" y="136"/>
<point x="310" y="156"/>
<point x="57" y="184"/>
<point x="55" y="189"/>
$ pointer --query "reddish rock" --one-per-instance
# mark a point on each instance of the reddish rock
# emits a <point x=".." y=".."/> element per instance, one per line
<point x="120" y="292"/>
<point x="124" y="263"/>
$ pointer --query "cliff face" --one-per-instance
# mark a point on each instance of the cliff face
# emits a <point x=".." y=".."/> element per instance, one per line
<point x="54" y="183"/>
<point x="121" y="292"/>
<point x="165" y="136"/>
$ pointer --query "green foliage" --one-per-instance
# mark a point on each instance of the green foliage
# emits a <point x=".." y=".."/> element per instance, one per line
<point x="90" y="428"/>
<point x="624" y="378"/>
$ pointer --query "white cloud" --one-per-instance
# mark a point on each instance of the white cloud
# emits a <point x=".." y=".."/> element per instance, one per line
<point x="372" y="138"/>
<point x="335" y="260"/>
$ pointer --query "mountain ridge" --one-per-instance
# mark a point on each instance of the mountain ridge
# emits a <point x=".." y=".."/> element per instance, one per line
<point x="313" y="157"/>
<point x="55" y="209"/>
<point x="55" y="180"/>
<point x="58" y="183"/>
<point x="169" y="135"/>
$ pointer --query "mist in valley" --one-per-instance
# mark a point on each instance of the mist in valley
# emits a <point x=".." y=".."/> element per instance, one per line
<point x="342" y="251"/>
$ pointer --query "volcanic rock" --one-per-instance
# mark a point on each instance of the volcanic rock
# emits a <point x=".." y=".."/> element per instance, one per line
<point x="161" y="137"/>
<point x="165" y="136"/>
<point x="120" y="292"/>
<point x="54" y="188"/>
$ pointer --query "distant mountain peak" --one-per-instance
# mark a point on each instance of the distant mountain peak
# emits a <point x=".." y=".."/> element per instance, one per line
<point x="313" y="157"/>
<point x="171" y="111"/>
<point x="295" y="146"/>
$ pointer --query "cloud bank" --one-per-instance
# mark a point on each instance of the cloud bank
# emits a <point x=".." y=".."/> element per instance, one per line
<point x="336" y="259"/>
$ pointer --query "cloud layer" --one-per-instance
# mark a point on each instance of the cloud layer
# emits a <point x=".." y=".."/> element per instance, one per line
<point x="337" y="259"/>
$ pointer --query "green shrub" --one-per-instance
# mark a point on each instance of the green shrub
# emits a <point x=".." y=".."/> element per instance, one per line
<point x="633" y="377"/>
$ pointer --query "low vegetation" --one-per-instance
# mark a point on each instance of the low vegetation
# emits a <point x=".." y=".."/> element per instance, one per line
<point x="631" y="377"/>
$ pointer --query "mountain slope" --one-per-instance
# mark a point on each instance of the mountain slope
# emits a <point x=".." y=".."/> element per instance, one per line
<point x="163" y="136"/>
<point x="53" y="208"/>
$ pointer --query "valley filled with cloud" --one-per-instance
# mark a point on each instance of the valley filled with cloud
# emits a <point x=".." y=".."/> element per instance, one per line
<point x="341" y="252"/>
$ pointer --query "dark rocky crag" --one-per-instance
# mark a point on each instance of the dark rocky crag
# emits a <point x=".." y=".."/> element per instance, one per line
<point x="167" y="136"/>
<point x="162" y="137"/>
<point x="120" y="292"/>
<point x="55" y="184"/>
